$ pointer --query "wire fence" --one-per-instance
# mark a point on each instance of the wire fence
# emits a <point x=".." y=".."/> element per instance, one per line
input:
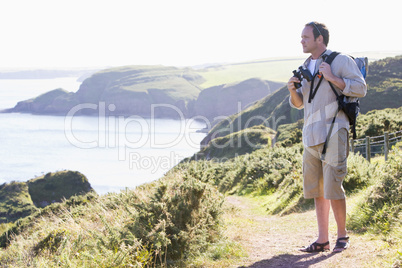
<point x="374" y="146"/>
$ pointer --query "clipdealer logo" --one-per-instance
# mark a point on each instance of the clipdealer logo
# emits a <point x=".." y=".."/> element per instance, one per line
<point x="153" y="163"/>
<point x="114" y="132"/>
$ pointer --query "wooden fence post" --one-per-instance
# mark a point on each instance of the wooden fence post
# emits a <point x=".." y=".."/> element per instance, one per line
<point x="386" y="145"/>
<point x="352" y="145"/>
<point x="368" y="149"/>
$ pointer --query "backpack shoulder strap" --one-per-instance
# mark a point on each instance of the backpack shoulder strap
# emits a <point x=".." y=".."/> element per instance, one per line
<point x="329" y="60"/>
<point x="331" y="57"/>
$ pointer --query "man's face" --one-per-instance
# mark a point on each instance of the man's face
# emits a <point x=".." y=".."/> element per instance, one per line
<point x="307" y="40"/>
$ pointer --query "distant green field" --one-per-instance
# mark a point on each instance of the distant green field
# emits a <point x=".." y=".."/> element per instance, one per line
<point x="273" y="69"/>
<point x="278" y="70"/>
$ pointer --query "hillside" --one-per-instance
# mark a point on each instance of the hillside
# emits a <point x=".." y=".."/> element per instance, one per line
<point x="238" y="143"/>
<point x="271" y="111"/>
<point x="385" y="85"/>
<point x="227" y="99"/>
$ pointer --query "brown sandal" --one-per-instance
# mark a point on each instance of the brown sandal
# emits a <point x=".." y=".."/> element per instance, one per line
<point x="315" y="247"/>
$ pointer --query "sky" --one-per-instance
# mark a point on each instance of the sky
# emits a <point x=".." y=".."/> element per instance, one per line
<point x="59" y="34"/>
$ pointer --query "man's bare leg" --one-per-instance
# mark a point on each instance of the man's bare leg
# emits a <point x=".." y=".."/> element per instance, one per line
<point x="339" y="209"/>
<point x="322" y="206"/>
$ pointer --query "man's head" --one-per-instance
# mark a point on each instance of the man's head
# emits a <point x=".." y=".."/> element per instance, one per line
<point x="315" y="37"/>
<point x="319" y="29"/>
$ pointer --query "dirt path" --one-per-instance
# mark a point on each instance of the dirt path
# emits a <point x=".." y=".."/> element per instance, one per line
<point x="273" y="241"/>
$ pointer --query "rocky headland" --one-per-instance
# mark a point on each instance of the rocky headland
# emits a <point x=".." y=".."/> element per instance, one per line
<point x="149" y="91"/>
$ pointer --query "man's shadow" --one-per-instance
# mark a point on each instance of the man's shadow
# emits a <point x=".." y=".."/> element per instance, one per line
<point x="290" y="260"/>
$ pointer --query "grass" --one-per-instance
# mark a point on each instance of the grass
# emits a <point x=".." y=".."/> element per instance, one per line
<point x="381" y="211"/>
<point x="176" y="83"/>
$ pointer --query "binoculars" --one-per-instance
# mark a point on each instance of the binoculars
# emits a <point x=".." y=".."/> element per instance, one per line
<point x="302" y="74"/>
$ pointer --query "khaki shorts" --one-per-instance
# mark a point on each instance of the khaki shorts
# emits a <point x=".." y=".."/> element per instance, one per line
<point x="324" y="178"/>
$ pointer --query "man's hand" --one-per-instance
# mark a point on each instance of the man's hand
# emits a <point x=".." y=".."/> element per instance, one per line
<point x="294" y="96"/>
<point x="291" y="83"/>
<point x="325" y="70"/>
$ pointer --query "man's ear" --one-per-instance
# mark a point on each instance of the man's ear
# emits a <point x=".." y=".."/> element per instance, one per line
<point x="321" y="39"/>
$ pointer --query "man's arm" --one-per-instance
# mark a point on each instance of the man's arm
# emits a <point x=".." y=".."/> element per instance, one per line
<point x="296" y="99"/>
<point x="351" y="82"/>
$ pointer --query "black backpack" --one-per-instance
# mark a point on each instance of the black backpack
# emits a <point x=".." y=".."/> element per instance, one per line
<point x="350" y="106"/>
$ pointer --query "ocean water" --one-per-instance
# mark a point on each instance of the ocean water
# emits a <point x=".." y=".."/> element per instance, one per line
<point x="113" y="152"/>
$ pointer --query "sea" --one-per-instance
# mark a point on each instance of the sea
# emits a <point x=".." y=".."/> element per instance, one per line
<point x="113" y="152"/>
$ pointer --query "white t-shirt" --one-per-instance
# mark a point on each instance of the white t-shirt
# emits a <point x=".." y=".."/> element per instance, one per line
<point x="311" y="66"/>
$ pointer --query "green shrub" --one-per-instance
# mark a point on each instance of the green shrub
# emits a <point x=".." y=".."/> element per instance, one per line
<point x="24" y="224"/>
<point x="51" y="242"/>
<point x="180" y="219"/>
<point x="360" y="173"/>
<point x="376" y="122"/>
<point x="276" y="171"/>
<point x="262" y="170"/>
<point x="289" y="134"/>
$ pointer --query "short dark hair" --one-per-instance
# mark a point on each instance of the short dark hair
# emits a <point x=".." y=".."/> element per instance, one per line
<point x="319" y="29"/>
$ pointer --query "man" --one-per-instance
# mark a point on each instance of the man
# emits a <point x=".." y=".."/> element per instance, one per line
<point x="322" y="179"/>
